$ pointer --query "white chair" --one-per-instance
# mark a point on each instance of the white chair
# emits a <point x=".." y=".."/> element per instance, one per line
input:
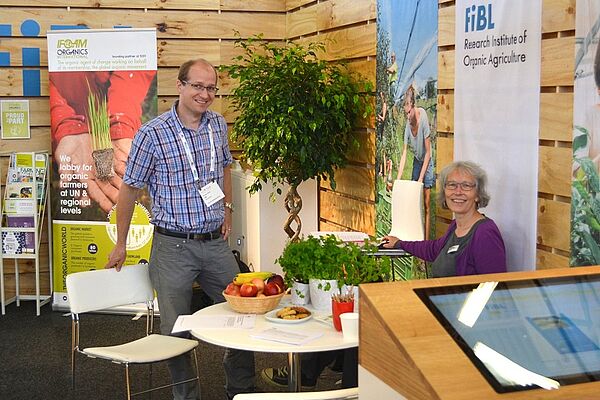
<point x="339" y="394"/>
<point x="101" y="289"/>
<point x="407" y="214"/>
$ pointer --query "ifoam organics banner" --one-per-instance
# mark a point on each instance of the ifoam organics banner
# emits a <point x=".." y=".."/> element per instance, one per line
<point x="496" y="112"/>
<point x="102" y="86"/>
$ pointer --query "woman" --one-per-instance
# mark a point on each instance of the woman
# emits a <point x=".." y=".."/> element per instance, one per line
<point x="417" y="135"/>
<point x="472" y="244"/>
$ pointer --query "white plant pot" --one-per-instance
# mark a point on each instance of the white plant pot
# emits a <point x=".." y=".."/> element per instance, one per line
<point x="345" y="289"/>
<point x="300" y="293"/>
<point x="319" y="297"/>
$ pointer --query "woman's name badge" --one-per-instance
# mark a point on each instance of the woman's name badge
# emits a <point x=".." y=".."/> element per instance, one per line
<point x="452" y="249"/>
<point x="211" y="193"/>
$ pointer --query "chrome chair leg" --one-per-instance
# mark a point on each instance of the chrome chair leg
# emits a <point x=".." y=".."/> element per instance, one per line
<point x="127" y="381"/>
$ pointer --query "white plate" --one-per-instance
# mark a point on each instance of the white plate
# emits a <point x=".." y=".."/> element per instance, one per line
<point x="272" y="316"/>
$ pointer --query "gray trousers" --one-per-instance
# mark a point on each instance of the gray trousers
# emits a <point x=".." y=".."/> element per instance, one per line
<point x="174" y="266"/>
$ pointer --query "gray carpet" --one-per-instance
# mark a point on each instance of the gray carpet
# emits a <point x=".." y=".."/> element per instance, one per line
<point x="35" y="359"/>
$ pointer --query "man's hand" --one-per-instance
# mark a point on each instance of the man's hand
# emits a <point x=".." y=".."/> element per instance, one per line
<point x="75" y="163"/>
<point x="117" y="257"/>
<point x="226" y="227"/>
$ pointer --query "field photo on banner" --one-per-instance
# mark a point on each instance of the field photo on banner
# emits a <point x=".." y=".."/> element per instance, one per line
<point x="406" y="83"/>
<point x="585" y="197"/>
<point x="102" y="86"/>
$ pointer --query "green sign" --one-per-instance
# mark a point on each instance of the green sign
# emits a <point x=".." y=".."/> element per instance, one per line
<point x="15" y="119"/>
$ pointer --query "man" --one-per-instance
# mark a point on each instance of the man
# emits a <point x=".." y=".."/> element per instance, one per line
<point x="183" y="156"/>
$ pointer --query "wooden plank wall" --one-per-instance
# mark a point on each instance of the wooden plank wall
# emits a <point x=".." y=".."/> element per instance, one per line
<point x="556" y="120"/>
<point x="348" y="29"/>
<point x="185" y="29"/>
<point x="188" y="29"/>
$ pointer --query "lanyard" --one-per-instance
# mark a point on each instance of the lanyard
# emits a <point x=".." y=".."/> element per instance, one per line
<point x="190" y="157"/>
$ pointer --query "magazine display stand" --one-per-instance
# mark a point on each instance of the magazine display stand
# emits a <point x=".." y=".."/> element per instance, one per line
<point x="23" y="210"/>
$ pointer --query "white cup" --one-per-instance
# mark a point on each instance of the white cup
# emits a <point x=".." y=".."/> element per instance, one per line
<point x="349" y="325"/>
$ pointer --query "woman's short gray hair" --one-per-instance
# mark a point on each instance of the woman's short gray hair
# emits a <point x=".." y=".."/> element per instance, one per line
<point x="472" y="169"/>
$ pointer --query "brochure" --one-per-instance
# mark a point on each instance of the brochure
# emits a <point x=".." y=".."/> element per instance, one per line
<point x="285" y="336"/>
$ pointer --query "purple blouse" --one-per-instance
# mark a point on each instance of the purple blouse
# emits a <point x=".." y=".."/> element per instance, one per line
<point x="483" y="254"/>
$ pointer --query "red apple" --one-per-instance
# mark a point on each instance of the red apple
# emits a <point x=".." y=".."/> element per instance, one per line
<point x="271" y="289"/>
<point x="232" y="289"/>
<point x="259" y="283"/>
<point x="278" y="279"/>
<point x="248" y="290"/>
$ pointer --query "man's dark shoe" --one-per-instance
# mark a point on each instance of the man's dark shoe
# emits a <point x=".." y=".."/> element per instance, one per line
<point x="278" y="377"/>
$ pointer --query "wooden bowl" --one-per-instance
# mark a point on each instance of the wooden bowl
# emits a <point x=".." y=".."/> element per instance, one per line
<point x="253" y="305"/>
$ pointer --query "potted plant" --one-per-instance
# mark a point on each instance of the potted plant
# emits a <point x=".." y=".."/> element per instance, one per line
<point x="296" y="115"/>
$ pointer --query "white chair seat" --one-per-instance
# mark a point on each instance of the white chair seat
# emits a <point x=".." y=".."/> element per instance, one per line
<point x="340" y="394"/>
<point x="151" y="348"/>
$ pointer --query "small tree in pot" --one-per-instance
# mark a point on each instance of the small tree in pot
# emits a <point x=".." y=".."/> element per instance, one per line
<point x="296" y="115"/>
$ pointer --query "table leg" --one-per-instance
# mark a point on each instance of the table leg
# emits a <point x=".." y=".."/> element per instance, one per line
<point x="294" y="384"/>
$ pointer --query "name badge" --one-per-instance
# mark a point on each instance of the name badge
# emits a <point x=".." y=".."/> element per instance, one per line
<point x="211" y="193"/>
<point x="452" y="249"/>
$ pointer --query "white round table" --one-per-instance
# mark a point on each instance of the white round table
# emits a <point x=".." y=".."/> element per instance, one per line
<point x="238" y="338"/>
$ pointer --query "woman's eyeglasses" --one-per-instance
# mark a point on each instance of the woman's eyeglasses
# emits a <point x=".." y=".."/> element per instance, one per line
<point x="199" y="87"/>
<point x="465" y="186"/>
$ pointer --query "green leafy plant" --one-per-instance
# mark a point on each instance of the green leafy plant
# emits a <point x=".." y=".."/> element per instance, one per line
<point x="296" y="115"/>
<point x="331" y="259"/>
<point x="99" y="129"/>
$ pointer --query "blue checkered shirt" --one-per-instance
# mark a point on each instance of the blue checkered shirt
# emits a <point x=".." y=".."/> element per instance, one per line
<point x="157" y="159"/>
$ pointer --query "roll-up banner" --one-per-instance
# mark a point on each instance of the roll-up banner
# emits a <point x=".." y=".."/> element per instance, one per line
<point x="585" y="190"/>
<point x="102" y="88"/>
<point x="496" y="112"/>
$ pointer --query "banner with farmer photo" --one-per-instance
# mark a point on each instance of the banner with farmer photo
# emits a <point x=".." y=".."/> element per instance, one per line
<point x="407" y="70"/>
<point x="585" y="193"/>
<point x="102" y="86"/>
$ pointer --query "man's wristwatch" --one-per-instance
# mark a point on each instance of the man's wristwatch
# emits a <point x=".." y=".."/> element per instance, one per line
<point x="229" y="205"/>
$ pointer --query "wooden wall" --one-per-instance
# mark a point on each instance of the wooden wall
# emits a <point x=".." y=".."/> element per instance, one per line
<point x="185" y="29"/>
<point x="556" y="120"/>
<point x="188" y="29"/>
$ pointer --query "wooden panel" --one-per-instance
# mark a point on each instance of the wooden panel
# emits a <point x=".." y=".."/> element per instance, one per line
<point x="365" y="68"/>
<point x="558" y="15"/>
<point x="40" y="141"/>
<point x="201" y="24"/>
<point x="354" y="181"/>
<point x="356" y="41"/>
<point x="301" y="22"/>
<point x="445" y="152"/>
<point x="556" y="116"/>
<point x="354" y="214"/>
<point x="558" y="61"/>
<point x="554" y="170"/>
<point x="335" y="14"/>
<point x="149" y="4"/>
<point x="172" y="53"/>
<point x="291" y="4"/>
<point x="254" y="5"/>
<point x="446" y="69"/>
<point x="325" y="226"/>
<point x="445" y="113"/>
<point x="554" y="224"/>
<point x="365" y="153"/>
<point x="11" y="82"/>
<point x="446" y="34"/>
<point x="547" y="260"/>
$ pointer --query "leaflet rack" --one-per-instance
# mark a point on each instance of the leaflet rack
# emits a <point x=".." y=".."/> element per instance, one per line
<point x="23" y="210"/>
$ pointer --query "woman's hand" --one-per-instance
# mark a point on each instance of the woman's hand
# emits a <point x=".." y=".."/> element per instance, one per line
<point x="389" y="242"/>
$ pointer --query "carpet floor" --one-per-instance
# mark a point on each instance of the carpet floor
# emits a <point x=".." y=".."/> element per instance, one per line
<point x="35" y="359"/>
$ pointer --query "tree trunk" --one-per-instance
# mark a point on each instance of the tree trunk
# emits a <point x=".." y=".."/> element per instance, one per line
<point x="293" y="205"/>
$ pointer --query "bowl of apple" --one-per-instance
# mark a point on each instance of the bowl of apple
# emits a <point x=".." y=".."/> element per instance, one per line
<point x="254" y="292"/>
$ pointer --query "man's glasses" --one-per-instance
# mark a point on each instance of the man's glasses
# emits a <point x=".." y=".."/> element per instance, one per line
<point x="466" y="186"/>
<point x="198" y="87"/>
